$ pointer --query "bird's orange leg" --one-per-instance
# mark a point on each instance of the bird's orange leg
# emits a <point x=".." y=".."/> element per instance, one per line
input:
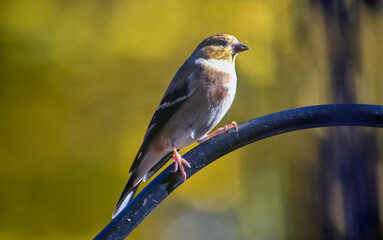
<point x="222" y="129"/>
<point x="178" y="160"/>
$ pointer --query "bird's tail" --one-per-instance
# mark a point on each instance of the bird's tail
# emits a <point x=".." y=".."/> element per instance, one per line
<point x="143" y="171"/>
<point x="127" y="195"/>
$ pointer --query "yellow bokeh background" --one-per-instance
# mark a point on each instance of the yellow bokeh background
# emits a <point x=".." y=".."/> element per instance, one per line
<point x="80" y="80"/>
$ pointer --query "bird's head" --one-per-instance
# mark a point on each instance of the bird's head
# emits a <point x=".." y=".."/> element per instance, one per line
<point x="221" y="47"/>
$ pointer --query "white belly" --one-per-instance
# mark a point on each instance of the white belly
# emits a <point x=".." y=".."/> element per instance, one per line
<point x="197" y="121"/>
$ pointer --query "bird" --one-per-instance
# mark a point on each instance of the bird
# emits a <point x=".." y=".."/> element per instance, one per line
<point x="196" y="100"/>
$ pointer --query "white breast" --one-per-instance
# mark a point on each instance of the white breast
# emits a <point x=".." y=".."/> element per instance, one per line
<point x="219" y="65"/>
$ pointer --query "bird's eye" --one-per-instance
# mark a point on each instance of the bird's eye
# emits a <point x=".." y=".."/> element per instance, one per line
<point x="222" y="42"/>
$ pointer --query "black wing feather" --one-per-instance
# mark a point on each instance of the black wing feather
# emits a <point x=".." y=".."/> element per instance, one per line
<point x="160" y="118"/>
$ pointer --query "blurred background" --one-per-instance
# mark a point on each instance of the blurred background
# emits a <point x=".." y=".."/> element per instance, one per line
<point x="80" y="80"/>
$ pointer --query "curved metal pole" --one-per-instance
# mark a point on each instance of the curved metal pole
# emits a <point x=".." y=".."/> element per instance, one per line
<point x="202" y="155"/>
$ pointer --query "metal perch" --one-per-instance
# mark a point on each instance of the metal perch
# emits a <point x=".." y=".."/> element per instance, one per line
<point x="202" y="155"/>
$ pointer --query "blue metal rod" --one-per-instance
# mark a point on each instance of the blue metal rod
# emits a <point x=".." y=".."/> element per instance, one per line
<point x="202" y="155"/>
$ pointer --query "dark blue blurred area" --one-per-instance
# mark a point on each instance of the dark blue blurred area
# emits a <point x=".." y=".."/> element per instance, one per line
<point x="350" y="155"/>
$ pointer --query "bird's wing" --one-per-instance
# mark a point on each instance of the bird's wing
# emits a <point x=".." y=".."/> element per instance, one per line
<point x="177" y="93"/>
<point x="157" y="167"/>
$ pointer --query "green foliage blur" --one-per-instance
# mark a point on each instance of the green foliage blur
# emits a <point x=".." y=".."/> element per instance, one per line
<point x="80" y="80"/>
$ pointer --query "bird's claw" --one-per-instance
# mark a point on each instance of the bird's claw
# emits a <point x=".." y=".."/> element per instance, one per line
<point x="178" y="160"/>
<point x="233" y="124"/>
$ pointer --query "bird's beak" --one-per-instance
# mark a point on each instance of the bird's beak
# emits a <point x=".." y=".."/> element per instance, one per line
<point x="239" y="47"/>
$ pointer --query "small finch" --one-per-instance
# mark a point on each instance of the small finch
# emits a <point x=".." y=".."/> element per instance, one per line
<point x="196" y="100"/>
